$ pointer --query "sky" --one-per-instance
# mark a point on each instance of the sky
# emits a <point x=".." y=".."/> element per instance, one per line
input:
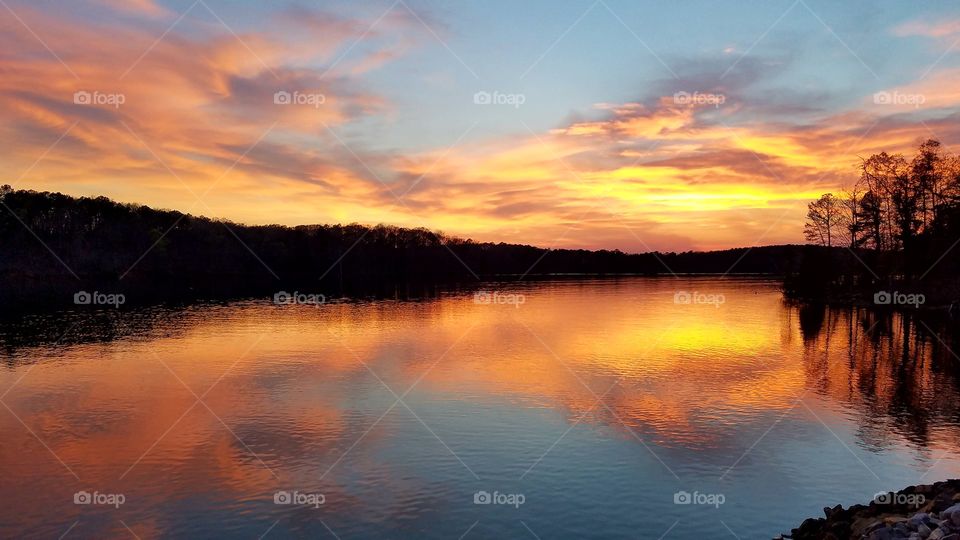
<point x="632" y="125"/>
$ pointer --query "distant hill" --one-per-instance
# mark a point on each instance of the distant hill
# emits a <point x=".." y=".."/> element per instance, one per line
<point x="53" y="245"/>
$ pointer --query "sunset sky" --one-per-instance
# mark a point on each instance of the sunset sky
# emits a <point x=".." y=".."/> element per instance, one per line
<point x="587" y="142"/>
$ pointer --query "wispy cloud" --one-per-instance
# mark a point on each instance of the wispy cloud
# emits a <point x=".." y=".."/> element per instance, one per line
<point x="929" y="28"/>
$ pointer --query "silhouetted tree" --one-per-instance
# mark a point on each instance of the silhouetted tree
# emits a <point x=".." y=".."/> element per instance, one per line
<point x="871" y="221"/>
<point x="850" y="199"/>
<point x="906" y="213"/>
<point x="826" y="221"/>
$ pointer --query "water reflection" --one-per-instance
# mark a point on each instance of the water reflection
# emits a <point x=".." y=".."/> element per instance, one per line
<point x="596" y="399"/>
<point x="899" y="371"/>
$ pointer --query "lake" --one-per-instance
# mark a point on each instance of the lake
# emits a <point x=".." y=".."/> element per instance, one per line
<point x="680" y="408"/>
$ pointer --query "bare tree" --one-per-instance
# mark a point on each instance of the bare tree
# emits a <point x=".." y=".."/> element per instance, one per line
<point x="886" y="179"/>
<point x="826" y="221"/>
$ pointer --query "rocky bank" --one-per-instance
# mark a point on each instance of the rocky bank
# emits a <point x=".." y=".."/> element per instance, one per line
<point x="926" y="512"/>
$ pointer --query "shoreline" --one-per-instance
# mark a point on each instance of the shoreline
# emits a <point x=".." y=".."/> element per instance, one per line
<point x="50" y="296"/>
<point x="921" y="512"/>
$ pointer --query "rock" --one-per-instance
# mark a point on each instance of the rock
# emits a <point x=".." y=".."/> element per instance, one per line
<point x="862" y="526"/>
<point x="918" y="518"/>
<point x="882" y="534"/>
<point x="923" y="530"/>
<point x="840" y="529"/>
<point x="936" y="535"/>
<point x="943" y="502"/>
<point x="827" y="511"/>
<point x="808" y="527"/>
<point x="952" y="514"/>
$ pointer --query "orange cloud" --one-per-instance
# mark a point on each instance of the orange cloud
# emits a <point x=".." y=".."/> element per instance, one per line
<point x="938" y="29"/>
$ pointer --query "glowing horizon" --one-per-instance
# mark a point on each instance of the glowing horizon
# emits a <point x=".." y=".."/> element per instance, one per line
<point x="583" y="126"/>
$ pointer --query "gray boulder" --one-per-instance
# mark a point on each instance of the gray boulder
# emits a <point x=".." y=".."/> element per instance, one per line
<point x="952" y="515"/>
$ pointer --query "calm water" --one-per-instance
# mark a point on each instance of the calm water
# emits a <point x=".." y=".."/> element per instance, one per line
<point x="593" y="403"/>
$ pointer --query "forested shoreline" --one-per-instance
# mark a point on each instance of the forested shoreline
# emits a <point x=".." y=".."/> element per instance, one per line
<point x="54" y="245"/>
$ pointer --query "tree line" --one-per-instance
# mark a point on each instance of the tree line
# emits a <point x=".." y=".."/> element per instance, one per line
<point x="52" y="245"/>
